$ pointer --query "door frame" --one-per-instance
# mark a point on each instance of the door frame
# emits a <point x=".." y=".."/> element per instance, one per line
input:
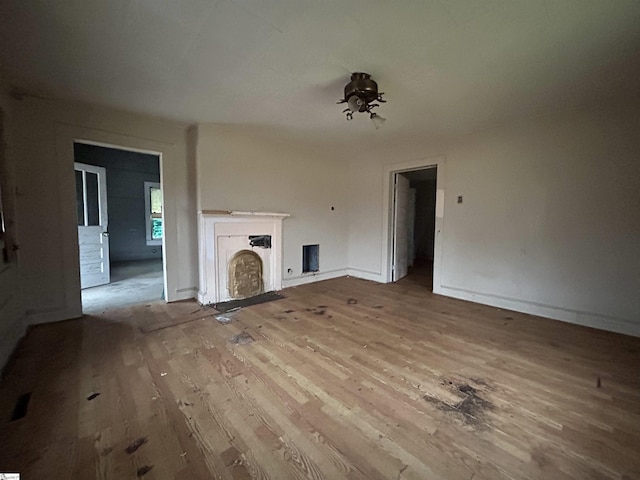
<point x="160" y="165"/>
<point x="388" y="176"/>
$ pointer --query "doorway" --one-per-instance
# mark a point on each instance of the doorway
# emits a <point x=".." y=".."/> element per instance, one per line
<point x="414" y="225"/>
<point x="122" y="264"/>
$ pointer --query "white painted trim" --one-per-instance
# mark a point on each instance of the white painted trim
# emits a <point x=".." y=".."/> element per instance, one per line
<point x="389" y="171"/>
<point x="259" y="214"/>
<point x="586" y="319"/>
<point x="117" y="147"/>
<point x="313" y="277"/>
<point x="235" y="213"/>
<point x="366" y="275"/>
<point x="184" y="294"/>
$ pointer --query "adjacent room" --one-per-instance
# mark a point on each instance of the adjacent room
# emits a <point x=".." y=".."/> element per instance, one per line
<point x="119" y="227"/>
<point x="313" y="239"/>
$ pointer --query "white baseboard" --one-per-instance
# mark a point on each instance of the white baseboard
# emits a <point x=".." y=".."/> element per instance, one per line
<point x="586" y="319"/>
<point x="183" y="294"/>
<point x="365" y="275"/>
<point x="200" y="296"/>
<point x="313" y="277"/>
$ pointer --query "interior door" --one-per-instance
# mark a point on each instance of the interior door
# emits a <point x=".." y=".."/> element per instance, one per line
<point x="401" y="227"/>
<point x="93" y="235"/>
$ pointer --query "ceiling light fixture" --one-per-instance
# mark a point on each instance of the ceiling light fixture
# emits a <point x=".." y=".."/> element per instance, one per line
<point x="359" y="94"/>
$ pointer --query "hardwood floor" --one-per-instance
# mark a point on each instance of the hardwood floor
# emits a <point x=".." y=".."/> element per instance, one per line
<point x="343" y="379"/>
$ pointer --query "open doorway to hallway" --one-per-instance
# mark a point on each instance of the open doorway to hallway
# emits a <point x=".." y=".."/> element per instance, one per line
<point x="414" y="224"/>
<point x="120" y="234"/>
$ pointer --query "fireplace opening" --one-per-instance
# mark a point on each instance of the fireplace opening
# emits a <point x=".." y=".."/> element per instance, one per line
<point x="245" y="275"/>
<point x="310" y="258"/>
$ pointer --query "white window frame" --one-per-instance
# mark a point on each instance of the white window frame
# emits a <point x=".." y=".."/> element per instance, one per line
<point x="147" y="211"/>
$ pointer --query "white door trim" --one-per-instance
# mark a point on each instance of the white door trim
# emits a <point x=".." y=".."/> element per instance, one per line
<point x="389" y="172"/>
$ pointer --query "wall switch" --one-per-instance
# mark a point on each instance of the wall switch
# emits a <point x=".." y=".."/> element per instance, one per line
<point x="459" y="198"/>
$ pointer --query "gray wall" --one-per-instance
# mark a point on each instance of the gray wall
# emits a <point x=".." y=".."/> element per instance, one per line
<point x="126" y="173"/>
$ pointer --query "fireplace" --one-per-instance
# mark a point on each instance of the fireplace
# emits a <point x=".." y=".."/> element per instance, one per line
<point x="240" y="254"/>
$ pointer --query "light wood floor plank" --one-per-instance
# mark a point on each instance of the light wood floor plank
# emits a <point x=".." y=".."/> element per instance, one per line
<point x="342" y="379"/>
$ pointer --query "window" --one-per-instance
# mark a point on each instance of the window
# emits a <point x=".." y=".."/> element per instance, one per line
<point x="88" y="196"/>
<point x="153" y="212"/>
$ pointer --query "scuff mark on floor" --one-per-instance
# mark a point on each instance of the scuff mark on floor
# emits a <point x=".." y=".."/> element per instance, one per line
<point x="142" y="471"/>
<point x="135" y="445"/>
<point x="243" y="338"/>
<point x="472" y="407"/>
<point x="402" y="469"/>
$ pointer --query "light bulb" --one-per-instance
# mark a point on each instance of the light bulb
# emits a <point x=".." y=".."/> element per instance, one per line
<point x="377" y="120"/>
<point x="354" y="103"/>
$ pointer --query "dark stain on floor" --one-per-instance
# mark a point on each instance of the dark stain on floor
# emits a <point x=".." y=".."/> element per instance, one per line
<point x="352" y="301"/>
<point x="142" y="471"/>
<point x="472" y="407"/>
<point x="242" y="338"/>
<point x="135" y="445"/>
<point x="21" y="406"/>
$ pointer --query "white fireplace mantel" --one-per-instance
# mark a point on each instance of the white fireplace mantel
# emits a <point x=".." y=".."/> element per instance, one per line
<point x="235" y="213"/>
<point x="222" y="234"/>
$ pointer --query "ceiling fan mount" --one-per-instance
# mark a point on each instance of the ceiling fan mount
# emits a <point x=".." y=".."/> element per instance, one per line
<point x="360" y="94"/>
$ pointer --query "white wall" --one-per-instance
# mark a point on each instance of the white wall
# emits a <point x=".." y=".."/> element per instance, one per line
<point x="242" y="169"/>
<point x="47" y="231"/>
<point x="549" y="223"/>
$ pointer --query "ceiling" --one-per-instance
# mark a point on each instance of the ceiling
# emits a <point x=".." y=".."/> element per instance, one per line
<point x="447" y="67"/>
